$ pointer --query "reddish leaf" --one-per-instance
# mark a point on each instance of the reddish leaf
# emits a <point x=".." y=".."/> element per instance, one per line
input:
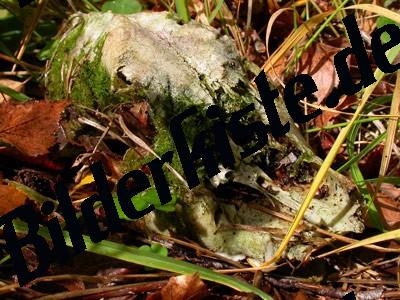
<point x="383" y="88"/>
<point x="72" y="285"/>
<point x="388" y="204"/>
<point x="30" y="127"/>
<point x="327" y="140"/>
<point x="317" y="61"/>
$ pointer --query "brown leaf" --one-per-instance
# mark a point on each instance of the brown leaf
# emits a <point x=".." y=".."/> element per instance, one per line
<point x="317" y="62"/>
<point x="388" y="205"/>
<point x="30" y="127"/>
<point x="370" y="164"/>
<point x="327" y="140"/>
<point x="184" y="287"/>
<point x="10" y="198"/>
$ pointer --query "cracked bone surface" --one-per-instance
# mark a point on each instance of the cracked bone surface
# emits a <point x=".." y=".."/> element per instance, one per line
<point x="102" y="59"/>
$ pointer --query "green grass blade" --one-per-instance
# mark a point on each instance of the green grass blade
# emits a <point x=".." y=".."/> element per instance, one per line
<point x="13" y="94"/>
<point x="321" y="28"/>
<point x="32" y="194"/>
<point x="182" y="10"/>
<point x="354" y="159"/>
<point x="343" y="124"/>
<point x="215" y="11"/>
<point x="391" y="180"/>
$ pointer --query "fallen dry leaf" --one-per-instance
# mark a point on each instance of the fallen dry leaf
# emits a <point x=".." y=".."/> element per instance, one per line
<point x="30" y="127"/>
<point x="370" y="164"/>
<point x="317" y="61"/>
<point x="10" y="198"/>
<point x="327" y="140"/>
<point x="388" y="205"/>
<point x="184" y="287"/>
<point x="136" y="118"/>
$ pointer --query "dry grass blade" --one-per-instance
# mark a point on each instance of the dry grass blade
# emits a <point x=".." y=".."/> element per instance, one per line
<point x="376" y="9"/>
<point x="248" y="21"/>
<point x="199" y="249"/>
<point x="271" y="22"/>
<point x="395" y="234"/>
<point x="93" y="124"/>
<point x="352" y="241"/>
<point x="369" y="115"/>
<point x="32" y="26"/>
<point x="391" y="130"/>
<point x="19" y="62"/>
<point x="294" y="39"/>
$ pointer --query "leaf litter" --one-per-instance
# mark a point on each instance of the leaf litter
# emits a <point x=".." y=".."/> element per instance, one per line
<point x="31" y="127"/>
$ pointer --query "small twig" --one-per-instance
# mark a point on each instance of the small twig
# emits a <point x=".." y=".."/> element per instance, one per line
<point x="19" y="62"/>
<point x="15" y="73"/>
<point x="101" y="138"/>
<point x="91" y="123"/>
<point x="291" y="284"/>
<point x="368" y="281"/>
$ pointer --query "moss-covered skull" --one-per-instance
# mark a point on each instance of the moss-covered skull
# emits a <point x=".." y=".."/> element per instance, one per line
<point x="104" y="59"/>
